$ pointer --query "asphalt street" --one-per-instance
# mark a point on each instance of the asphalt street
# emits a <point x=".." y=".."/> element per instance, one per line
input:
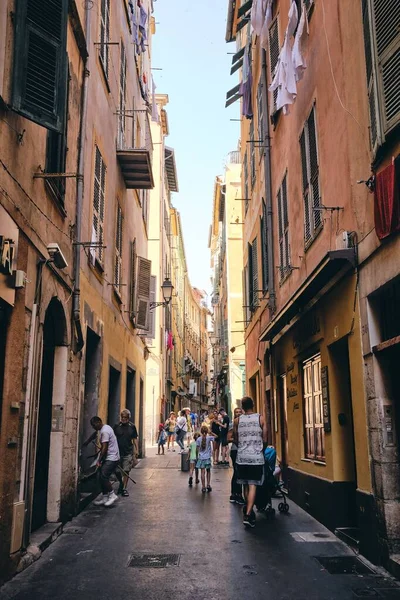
<point x="214" y="556"/>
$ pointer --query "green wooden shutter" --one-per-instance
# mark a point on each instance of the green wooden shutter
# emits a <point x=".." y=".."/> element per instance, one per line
<point x="387" y="31"/>
<point x="371" y="77"/>
<point x="39" y="81"/>
<point x="285" y="223"/>
<point x="143" y="292"/>
<point x="254" y="264"/>
<point x="264" y="242"/>
<point x="132" y="295"/>
<point x="316" y="215"/>
<point x="306" y="191"/>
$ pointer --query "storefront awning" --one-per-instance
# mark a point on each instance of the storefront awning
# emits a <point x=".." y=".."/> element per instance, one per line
<point x="331" y="268"/>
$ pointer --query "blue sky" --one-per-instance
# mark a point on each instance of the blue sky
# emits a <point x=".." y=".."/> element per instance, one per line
<point x="190" y="48"/>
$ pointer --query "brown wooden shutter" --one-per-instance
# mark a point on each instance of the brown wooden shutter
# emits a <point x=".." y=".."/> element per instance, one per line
<point x="152" y="313"/>
<point x="143" y="293"/>
<point x="285" y="223"/>
<point x="264" y="242"/>
<point x="371" y="80"/>
<point x="122" y="98"/>
<point x="306" y="193"/>
<point x="246" y="182"/>
<point x="39" y="71"/>
<point x="314" y="170"/>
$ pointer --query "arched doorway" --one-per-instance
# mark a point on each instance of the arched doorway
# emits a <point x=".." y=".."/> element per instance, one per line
<point x="54" y="335"/>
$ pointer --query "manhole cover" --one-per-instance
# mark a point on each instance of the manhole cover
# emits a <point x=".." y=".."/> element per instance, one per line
<point x="344" y="565"/>
<point x="154" y="561"/>
<point x="75" y="530"/>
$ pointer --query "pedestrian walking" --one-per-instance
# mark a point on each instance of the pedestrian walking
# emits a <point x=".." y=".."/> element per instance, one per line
<point x="215" y="429"/>
<point x="236" y="489"/>
<point x="250" y="435"/>
<point x="161" y="439"/>
<point x="204" y="447"/>
<point x="223" y="436"/>
<point x="127" y="438"/>
<point x="181" y="430"/>
<point x="189" y="432"/>
<point x="170" y="425"/>
<point x="193" y="452"/>
<point x="107" y="461"/>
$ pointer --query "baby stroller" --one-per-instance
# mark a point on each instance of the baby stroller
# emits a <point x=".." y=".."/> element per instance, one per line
<point x="270" y="487"/>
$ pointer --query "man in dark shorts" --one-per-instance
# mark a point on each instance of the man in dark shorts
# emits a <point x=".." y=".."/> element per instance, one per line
<point x="223" y="436"/>
<point x="126" y="434"/>
<point x="250" y="436"/>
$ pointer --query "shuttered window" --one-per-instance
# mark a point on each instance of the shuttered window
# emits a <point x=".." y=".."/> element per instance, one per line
<point x="310" y="175"/>
<point x="283" y="228"/>
<point x="99" y="207"/>
<point x="246" y="298"/>
<point x="260" y="119"/>
<point x="273" y="57"/>
<point x="253" y="275"/>
<point x="122" y="98"/>
<point x="152" y="313"/>
<point x="39" y="68"/>
<point x="264" y="246"/>
<point x="143" y="292"/>
<point x="252" y="155"/>
<point x="381" y="20"/>
<point x="132" y="291"/>
<point x="118" y="251"/>
<point x="246" y="182"/>
<point x="314" y="433"/>
<point x="105" y="35"/>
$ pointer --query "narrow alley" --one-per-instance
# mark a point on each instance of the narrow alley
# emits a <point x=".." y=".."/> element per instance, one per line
<point x="211" y="555"/>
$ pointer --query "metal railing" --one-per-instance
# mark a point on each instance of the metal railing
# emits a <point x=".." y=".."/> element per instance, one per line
<point x="133" y="130"/>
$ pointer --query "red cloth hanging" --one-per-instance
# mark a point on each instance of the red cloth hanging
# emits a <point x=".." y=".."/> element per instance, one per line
<point x="170" y="341"/>
<point x="387" y="200"/>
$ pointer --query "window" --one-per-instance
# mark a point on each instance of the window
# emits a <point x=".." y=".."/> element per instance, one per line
<point x="152" y="313"/>
<point x="253" y="275"/>
<point x="122" y="99"/>
<point x="40" y="61"/>
<point x="264" y="246"/>
<point x="132" y="291"/>
<point x="310" y="170"/>
<point x="274" y="51"/>
<point x="98" y="208"/>
<point x="260" y="119"/>
<point x="252" y="154"/>
<point x="143" y="292"/>
<point x="382" y="58"/>
<point x="246" y="182"/>
<point x="105" y="35"/>
<point x="283" y="227"/>
<point x="314" y="433"/>
<point x="118" y="251"/>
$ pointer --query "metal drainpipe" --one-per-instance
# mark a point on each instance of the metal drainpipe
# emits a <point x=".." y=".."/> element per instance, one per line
<point x="268" y="187"/>
<point x="76" y="314"/>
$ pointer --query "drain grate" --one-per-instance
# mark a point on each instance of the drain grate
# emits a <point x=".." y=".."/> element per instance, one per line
<point x="154" y="561"/>
<point x="344" y="565"/>
<point x="75" y="530"/>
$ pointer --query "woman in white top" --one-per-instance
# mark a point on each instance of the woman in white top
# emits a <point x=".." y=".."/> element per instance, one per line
<point x="250" y="435"/>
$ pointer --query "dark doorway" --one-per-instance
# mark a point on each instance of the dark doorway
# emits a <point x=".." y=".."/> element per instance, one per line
<point x="141" y="419"/>
<point x="284" y="420"/>
<point x="339" y="354"/>
<point x="131" y="393"/>
<point x="4" y="319"/>
<point x="91" y="397"/>
<point x="114" y="396"/>
<point x="54" y="332"/>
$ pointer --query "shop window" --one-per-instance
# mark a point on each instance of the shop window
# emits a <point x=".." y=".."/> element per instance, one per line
<point x="314" y="434"/>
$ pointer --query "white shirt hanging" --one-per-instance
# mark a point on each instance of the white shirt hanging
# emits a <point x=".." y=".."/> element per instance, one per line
<point x="264" y="35"/>
<point x="299" y="62"/>
<point x="285" y="76"/>
<point x="257" y="15"/>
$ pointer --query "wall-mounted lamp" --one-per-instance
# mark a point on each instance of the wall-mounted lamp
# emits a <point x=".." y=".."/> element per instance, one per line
<point x="167" y="289"/>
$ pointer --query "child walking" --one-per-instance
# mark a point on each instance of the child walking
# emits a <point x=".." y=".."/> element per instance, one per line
<point x="161" y="438"/>
<point x="193" y="459"/>
<point x="204" y="448"/>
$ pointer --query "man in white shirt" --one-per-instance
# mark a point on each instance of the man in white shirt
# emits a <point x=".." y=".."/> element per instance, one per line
<point x="107" y="461"/>
<point x="181" y="430"/>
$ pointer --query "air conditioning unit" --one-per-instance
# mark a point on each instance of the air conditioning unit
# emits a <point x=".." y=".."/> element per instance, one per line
<point x="343" y="240"/>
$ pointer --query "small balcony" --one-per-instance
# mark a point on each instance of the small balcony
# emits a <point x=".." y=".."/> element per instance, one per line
<point x="135" y="149"/>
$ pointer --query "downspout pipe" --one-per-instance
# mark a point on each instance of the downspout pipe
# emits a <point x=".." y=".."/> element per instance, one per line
<point x="76" y="313"/>
<point x="268" y="186"/>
